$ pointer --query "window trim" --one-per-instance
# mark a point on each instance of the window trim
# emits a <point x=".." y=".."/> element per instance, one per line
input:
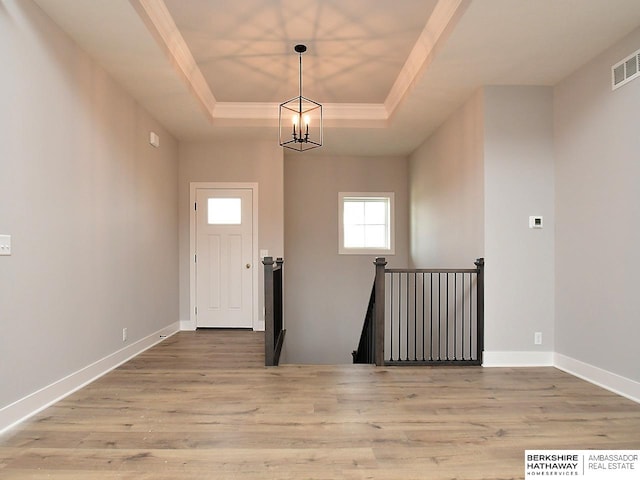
<point x="390" y="196"/>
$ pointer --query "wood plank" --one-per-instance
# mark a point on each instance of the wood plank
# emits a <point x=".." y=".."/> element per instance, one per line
<point x="185" y="409"/>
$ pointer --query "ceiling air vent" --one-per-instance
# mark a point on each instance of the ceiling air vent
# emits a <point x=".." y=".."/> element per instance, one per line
<point x="625" y="70"/>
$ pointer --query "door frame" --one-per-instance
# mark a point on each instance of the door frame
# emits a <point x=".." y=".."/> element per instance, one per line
<point x="193" y="186"/>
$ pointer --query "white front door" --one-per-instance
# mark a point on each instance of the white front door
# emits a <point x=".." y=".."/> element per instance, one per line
<point x="224" y="246"/>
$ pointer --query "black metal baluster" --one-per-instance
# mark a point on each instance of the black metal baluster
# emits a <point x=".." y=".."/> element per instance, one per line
<point x="447" y="321"/>
<point x="471" y="316"/>
<point x="408" y="300"/>
<point x="439" y="316"/>
<point x="423" y="359"/>
<point x="431" y="316"/>
<point x="455" y="315"/>
<point x="415" y="316"/>
<point x="391" y="317"/>
<point x="464" y="275"/>
<point x="399" y="316"/>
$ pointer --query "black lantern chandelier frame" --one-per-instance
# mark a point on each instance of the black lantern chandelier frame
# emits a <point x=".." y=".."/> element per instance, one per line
<point x="300" y="134"/>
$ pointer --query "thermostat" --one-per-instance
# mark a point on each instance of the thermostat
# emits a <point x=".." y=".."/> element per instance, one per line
<point x="535" y="222"/>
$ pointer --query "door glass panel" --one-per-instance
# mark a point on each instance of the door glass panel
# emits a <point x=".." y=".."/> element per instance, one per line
<point x="224" y="211"/>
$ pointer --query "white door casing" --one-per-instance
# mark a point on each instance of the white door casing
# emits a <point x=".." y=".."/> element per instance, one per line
<point x="224" y="256"/>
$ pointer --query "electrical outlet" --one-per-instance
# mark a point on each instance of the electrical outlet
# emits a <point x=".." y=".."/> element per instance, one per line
<point x="5" y="244"/>
<point x="124" y="334"/>
<point x="537" y="338"/>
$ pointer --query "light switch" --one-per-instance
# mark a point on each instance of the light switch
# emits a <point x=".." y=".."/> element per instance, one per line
<point x="154" y="139"/>
<point x="5" y="244"/>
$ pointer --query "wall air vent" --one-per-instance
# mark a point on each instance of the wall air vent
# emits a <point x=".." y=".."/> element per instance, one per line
<point x="625" y="70"/>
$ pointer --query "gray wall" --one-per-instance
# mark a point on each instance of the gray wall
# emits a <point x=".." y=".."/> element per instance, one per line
<point x="447" y="192"/>
<point x="518" y="165"/>
<point x="474" y="183"/>
<point x="326" y="293"/>
<point x="90" y="205"/>
<point x="233" y="161"/>
<point x="598" y="215"/>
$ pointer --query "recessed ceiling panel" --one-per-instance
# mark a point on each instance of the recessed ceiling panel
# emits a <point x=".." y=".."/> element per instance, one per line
<point x="355" y="49"/>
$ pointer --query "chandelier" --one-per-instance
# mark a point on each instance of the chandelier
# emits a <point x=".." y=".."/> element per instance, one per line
<point x="300" y="119"/>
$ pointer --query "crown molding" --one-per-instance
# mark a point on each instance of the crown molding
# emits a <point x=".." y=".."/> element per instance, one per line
<point x="435" y="33"/>
<point x="156" y="16"/>
<point x="246" y="110"/>
<point x="338" y="112"/>
<point x="356" y="111"/>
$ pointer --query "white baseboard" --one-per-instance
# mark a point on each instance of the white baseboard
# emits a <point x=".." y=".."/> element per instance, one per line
<point x="517" y="359"/>
<point x="611" y="381"/>
<point x="31" y="404"/>
<point x="187" y="325"/>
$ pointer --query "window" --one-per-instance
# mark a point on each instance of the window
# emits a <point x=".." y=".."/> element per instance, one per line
<point x="366" y="223"/>
<point x="224" y="211"/>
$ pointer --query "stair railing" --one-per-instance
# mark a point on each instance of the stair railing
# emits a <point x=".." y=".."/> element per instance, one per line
<point x="274" y="331"/>
<point x="424" y="317"/>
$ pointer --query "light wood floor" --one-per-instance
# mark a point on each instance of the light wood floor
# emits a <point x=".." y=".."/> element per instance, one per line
<point x="191" y="408"/>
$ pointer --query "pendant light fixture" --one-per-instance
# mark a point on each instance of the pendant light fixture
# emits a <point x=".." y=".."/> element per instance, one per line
<point x="300" y="119"/>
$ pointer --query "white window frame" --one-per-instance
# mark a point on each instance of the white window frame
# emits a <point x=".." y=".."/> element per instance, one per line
<point x="390" y="197"/>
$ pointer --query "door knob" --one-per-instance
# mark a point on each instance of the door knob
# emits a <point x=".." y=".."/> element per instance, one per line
<point x="248" y="265"/>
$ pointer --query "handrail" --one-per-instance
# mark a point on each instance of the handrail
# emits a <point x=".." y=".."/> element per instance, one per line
<point x="274" y="331"/>
<point x="431" y="270"/>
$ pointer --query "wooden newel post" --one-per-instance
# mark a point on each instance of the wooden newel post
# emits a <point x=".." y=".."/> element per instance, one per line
<point x="380" y="264"/>
<point x="479" y="263"/>
<point x="268" y="311"/>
